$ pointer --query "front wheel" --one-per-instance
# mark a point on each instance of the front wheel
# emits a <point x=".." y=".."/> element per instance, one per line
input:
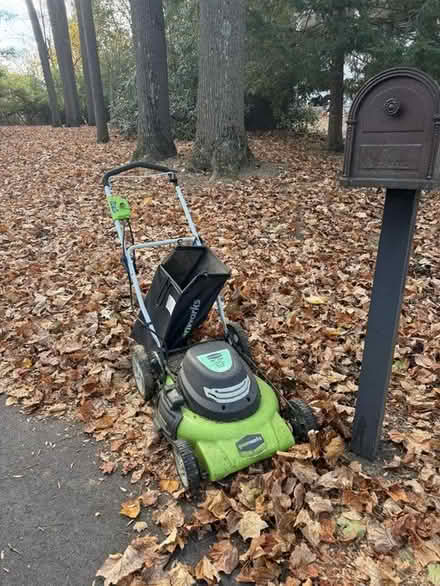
<point x="301" y="418"/>
<point x="186" y="465"/>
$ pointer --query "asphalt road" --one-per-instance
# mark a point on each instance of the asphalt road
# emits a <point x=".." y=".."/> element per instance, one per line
<point x="51" y="490"/>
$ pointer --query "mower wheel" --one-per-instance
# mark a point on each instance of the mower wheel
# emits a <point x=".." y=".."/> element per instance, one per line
<point x="301" y="418"/>
<point x="186" y="465"/>
<point x="143" y="374"/>
<point x="238" y="338"/>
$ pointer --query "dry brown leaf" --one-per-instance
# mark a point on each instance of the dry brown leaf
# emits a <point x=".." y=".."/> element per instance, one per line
<point x="359" y="501"/>
<point x="328" y="527"/>
<point x="181" y="575"/>
<point x="251" y="525"/>
<point x="131" y="508"/>
<point x="297" y="452"/>
<point x="149" y="498"/>
<point x="334" y="450"/>
<point x="305" y="473"/>
<point x="169" y="541"/>
<point x="169" y="485"/>
<point x="108" y="467"/>
<point x="217" y="503"/>
<point x="318" y="504"/>
<point x="118" y="566"/>
<point x="147" y="545"/>
<point x="137" y="474"/>
<point x="380" y="538"/>
<point x="397" y="493"/>
<point x="427" y="552"/>
<point x="169" y="518"/>
<point x="316" y="300"/>
<point x="205" y="570"/>
<point x="224" y="556"/>
<point x="301" y="556"/>
<point x="338" y="478"/>
<point x="261" y="572"/>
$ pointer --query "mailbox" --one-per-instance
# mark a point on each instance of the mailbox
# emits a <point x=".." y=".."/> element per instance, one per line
<point x="393" y="132"/>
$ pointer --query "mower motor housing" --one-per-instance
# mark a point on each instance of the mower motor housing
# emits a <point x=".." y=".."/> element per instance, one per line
<point x="229" y="416"/>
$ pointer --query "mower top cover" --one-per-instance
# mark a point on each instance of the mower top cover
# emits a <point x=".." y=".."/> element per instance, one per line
<point x="217" y="384"/>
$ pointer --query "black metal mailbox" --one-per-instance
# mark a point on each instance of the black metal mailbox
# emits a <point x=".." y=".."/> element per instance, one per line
<point x="393" y="132"/>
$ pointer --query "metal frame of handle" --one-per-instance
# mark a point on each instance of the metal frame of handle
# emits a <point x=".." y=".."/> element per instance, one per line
<point x="195" y="240"/>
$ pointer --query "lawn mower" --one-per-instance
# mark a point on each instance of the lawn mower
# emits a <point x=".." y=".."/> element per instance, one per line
<point x="218" y="412"/>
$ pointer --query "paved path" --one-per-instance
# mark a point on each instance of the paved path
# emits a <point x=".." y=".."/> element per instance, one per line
<point x="50" y="492"/>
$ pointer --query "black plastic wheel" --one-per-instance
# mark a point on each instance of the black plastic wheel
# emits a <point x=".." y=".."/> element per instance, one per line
<point x="186" y="465"/>
<point x="238" y="338"/>
<point x="143" y="375"/>
<point x="301" y="418"/>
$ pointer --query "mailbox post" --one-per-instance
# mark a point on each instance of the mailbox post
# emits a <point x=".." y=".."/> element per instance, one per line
<point x="392" y="141"/>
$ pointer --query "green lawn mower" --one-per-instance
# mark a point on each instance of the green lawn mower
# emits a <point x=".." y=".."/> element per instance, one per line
<point x="218" y="413"/>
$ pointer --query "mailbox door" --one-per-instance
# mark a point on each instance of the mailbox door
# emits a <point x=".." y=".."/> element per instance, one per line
<point x="393" y="132"/>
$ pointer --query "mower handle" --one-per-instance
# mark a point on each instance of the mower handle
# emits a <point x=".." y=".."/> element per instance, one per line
<point x="135" y="165"/>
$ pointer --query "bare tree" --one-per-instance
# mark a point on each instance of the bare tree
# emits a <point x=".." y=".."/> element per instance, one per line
<point x="44" y="59"/>
<point x="85" y="67"/>
<point x="154" y="140"/>
<point x="221" y="142"/>
<point x="94" y="70"/>
<point x="60" y="30"/>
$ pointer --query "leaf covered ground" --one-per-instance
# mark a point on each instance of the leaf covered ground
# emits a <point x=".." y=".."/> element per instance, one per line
<point x="302" y="253"/>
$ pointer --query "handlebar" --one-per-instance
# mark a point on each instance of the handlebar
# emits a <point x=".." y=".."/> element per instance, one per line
<point x="135" y="165"/>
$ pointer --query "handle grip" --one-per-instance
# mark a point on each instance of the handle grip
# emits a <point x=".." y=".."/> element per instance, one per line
<point x="135" y="165"/>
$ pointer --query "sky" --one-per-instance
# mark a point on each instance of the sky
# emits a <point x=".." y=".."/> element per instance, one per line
<point x="18" y="31"/>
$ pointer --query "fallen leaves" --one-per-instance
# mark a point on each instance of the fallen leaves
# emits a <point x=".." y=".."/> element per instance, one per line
<point x="64" y="347"/>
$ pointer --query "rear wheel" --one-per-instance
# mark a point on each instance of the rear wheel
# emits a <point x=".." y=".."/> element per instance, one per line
<point x="186" y="465"/>
<point x="301" y="418"/>
<point x="143" y="374"/>
<point x="238" y="338"/>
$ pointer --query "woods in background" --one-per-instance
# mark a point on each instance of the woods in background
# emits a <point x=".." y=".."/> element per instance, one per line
<point x="208" y="71"/>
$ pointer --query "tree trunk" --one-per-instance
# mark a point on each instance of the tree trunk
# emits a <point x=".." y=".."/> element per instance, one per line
<point x="94" y="70"/>
<point x="154" y="139"/>
<point x="221" y="141"/>
<point x="85" y="67"/>
<point x="335" y="140"/>
<point x="60" y="30"/>
<point x="44" y="59"/>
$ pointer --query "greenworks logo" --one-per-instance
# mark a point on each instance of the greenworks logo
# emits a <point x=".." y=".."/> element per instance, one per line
<point x="249" y="443"/>
<point x="195" y="308"/>
<point x="216" y="361"/>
